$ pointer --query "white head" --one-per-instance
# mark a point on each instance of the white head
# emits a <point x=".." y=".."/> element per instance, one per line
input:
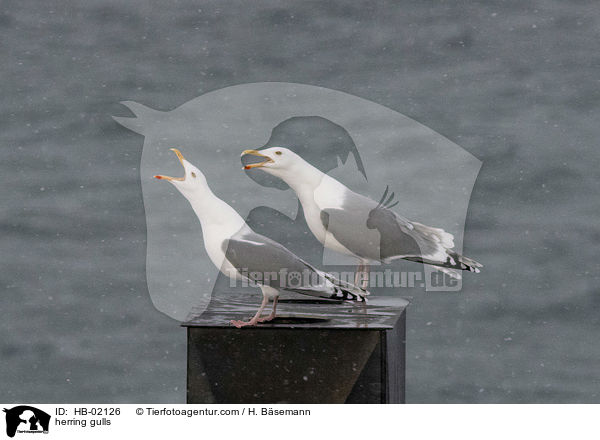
<point x="279" y="161"/>
<point x="192" y="184"/>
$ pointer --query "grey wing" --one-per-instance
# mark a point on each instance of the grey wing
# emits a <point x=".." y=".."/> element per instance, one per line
<point x="370" y="230"/>
<point x="267" y="262"/>
<point x="399" y="241"/>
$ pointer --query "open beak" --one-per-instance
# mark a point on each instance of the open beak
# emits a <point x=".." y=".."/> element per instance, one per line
<point x="259" y="164"/>
<point x="181" y="159"/>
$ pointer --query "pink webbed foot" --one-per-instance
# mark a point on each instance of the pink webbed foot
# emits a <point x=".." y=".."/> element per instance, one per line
<point x="240" y="324"/>
<point x="267" y="319"/>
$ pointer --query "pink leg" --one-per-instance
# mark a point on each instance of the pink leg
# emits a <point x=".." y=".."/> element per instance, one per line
<point x="272" y="315"/>
<point x="358" y="274"/>
<point x="254" y="320"/>
<point x="365" y="277"/>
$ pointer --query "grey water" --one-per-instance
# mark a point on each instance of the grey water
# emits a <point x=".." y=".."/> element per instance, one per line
<point x="515" y="83"/>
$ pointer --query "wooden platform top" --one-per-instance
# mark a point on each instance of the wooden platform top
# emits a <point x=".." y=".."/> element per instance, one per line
<point x="302" y="312"/>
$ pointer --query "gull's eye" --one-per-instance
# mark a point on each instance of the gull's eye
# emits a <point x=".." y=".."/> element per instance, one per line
<point x="193" y="175"/>
<point x="278" y="153"/>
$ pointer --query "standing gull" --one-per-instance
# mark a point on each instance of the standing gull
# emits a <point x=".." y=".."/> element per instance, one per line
<point x="240" y="253"/>
<point x="355" y="225"/>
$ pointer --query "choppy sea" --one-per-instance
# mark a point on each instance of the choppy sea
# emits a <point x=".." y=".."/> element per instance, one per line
<point x="514" y="83"/>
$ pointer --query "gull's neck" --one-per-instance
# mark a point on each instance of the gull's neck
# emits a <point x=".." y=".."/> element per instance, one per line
<point x="214" y="212"/>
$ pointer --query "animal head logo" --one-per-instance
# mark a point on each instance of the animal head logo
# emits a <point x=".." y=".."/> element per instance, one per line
<point x="365" y="145"/>
<point x="25" y="418"/>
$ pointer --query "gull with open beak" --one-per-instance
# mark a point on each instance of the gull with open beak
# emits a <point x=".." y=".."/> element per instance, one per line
<point x="240" y="253"/>
<point x="355" y="225"/>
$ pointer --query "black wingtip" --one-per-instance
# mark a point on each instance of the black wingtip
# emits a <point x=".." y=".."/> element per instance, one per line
<point x="384" y="195"/>
<point x="386" y="201"/>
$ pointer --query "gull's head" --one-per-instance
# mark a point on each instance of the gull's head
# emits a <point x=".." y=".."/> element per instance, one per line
<point x="275" y="160"/>
<point x="192" y="182"/>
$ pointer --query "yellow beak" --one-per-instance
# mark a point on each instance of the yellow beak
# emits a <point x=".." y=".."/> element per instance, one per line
<point x="256" y="153"/>
<point x="181" y="159"/>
